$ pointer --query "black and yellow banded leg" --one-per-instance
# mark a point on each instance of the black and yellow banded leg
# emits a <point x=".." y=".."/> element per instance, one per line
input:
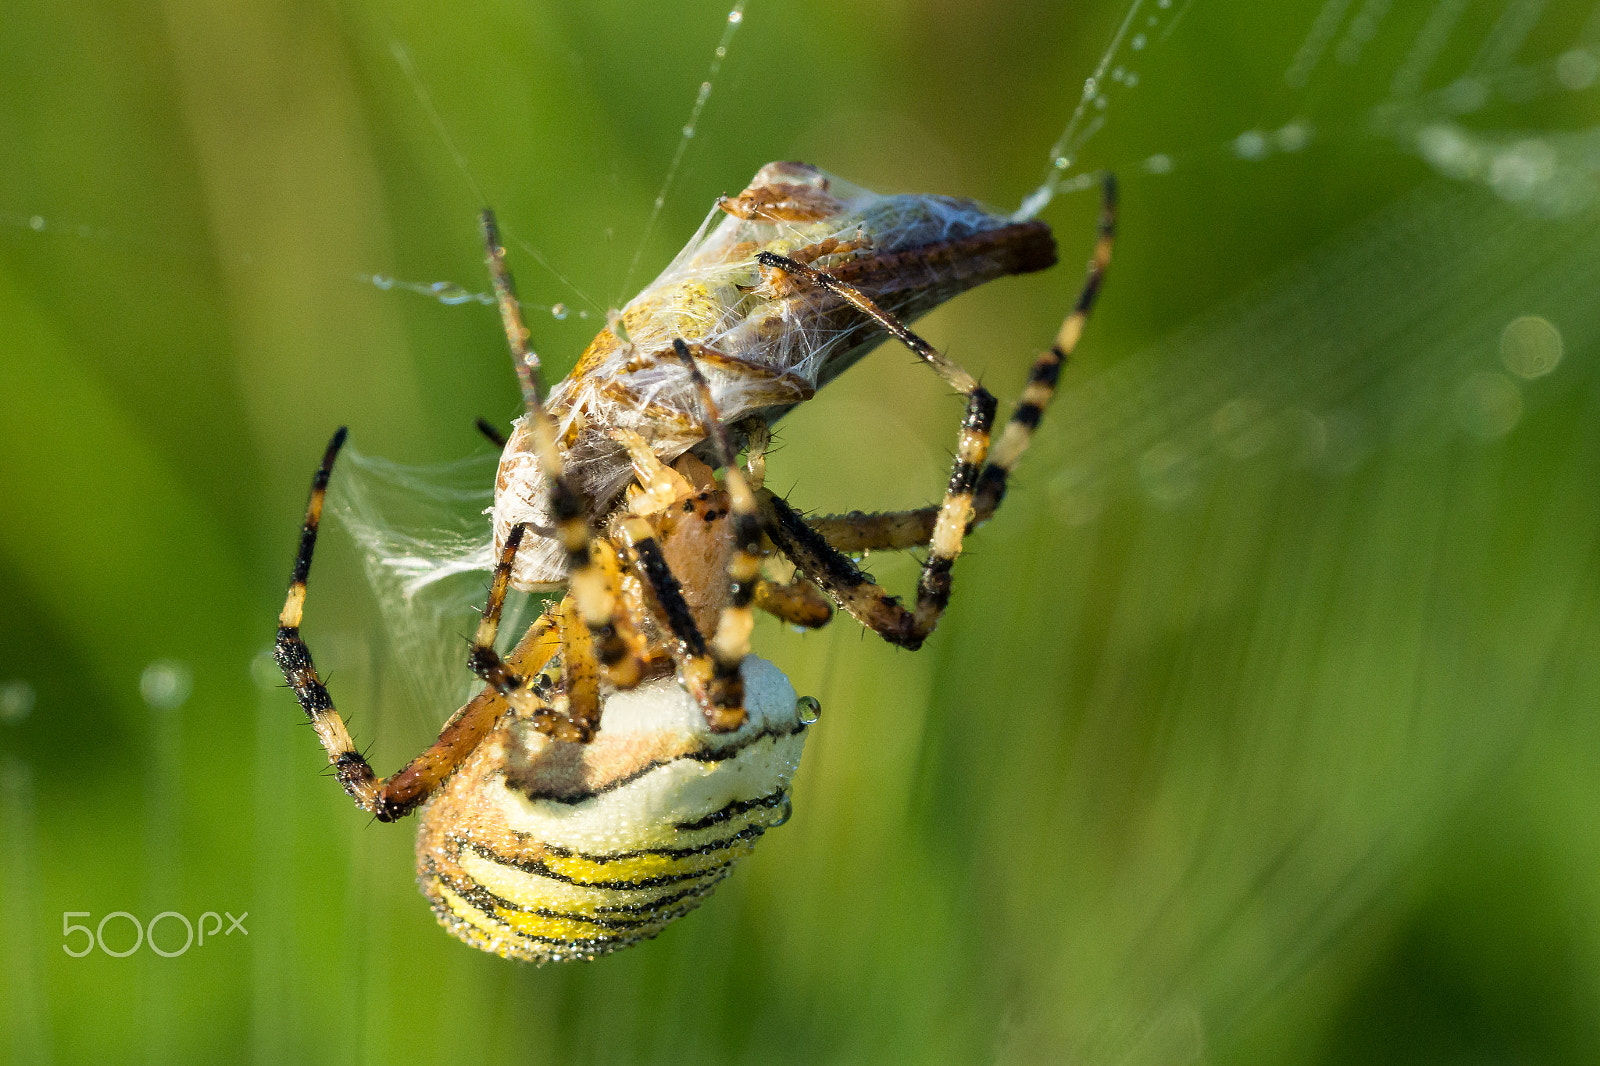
<point x="416" y="781"/>
<point x="955" y="512"/>
<point x="731" y="642"/>
<point x="594" y="598"/>
<point x="896" y="530"/>
<point x="294" y="657"/>
<point x="513" y="686"/>
<point x="392" y="797"/>
<point x="688" y="646"/>
<point x="579" y="669"/>
<point x="836" y="574"/>
<point x="1041" y="387"/>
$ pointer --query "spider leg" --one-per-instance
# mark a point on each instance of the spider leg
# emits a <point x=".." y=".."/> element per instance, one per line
<point x="658" y="484"/>
<point x="294" y="657"/>
<point x="579" y="666"/>
<point x="950" y="525"/>
<point x="711" y="668"/>
<point x="416" y="781"/>
<point x="836" y="573"/>
<point x="491" y="432"/>
<point x="392" y="797"/>
<point x="798" y="602"/>
<point x="758" y="437"/>
<point x="895" y="530"/>
<point x="1041" y="387"/>
<point x="592" y="595"/>
<point x="690" y="653"/>
<point x="884" y="531"/>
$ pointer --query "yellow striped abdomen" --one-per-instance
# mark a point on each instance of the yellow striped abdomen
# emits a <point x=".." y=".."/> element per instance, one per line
<point x="544" y="850"/>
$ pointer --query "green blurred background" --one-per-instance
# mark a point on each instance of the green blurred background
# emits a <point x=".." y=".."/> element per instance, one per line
<point x="1262" y="729"/>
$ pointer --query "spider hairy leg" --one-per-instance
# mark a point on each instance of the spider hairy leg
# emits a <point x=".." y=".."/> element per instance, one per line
<point x="731" y="641"/>
<point x="579" y="667"/>
<point x="895" y="530"/>
<point x="758" y="438"/>
<point x="294" y="656"/>
<point x="491" y="432"/>
<point x="892" y="621"/>
<point x="798" y="602"/>
<point x="393" y="797"/>
<point x="595" y="602"/>
<point x="1041" y="387"/>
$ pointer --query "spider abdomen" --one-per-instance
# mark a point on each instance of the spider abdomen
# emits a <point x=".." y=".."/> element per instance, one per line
<point x="546" y="850"/>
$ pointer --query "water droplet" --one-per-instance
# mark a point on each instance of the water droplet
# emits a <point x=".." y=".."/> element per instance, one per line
<point x="1307" y="436"/>
<point x="1138" y="42"/>
<point x="1577" y="69"/>
<point x="1465" y="95"/>
<point x="1132" y="79"/>
<point x="1118" y="74"/>
<point x="786" y="813"/>
<point x="722" y="53"/>
<point x="1160" y="163"/>
<point x="1163" y="4"/>
<point x="1488" y="404"/>
<point x="1251" y="144"/>
<point x="166" y="684"/>
<point x="1168" y="474"/>
<point x="1242" y="427"/>
<point x="1530" y="346"/>
<point x="1293" y="136"/>
<point x="1090" y="86"/>
<point x="16" y="700"/>
<point x="808" y="710"/>
<point x="1346" y="442"/>
<point x="1073" y="500"/>
<point x="383" y="281"/>
<point x="264" y="670"/>
<point x="1062" y="162"/>
<point x="1517" y="172"/>
<point x="688" y="131"/>
<point x="736" y="16"/>
<point x="1452" y="152"/>
<point x="1100" y="103"/>
<point x="558" y="312"/>
<point x="450" y="294"/>
<point x="36" y="223"/>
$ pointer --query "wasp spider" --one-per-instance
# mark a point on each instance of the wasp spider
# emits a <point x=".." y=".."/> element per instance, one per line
<point x="630" y="748"/>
